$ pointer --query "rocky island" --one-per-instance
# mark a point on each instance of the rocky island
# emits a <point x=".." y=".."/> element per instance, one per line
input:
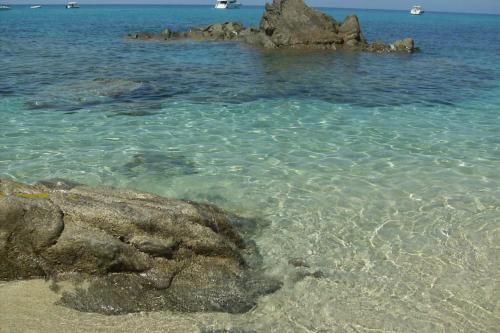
<point x="288" y="24"/>
<point x="126" y="251"/>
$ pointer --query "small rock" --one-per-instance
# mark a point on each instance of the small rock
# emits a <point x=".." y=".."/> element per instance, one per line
<point x="298" y="262"/>
<point x="167" y="33"/>
<point x="301" y="275"/>
<point x="405" y="45"/>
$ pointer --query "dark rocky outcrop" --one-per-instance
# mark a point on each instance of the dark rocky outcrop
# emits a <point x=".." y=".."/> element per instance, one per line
<point x="134" y="251"/>
<point x="214" y="32"/>
<point x="405" y="45"/>
<point x="289" y="24"/>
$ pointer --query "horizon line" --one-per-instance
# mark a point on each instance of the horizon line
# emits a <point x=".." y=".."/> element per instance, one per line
<point x="208" y="5"/>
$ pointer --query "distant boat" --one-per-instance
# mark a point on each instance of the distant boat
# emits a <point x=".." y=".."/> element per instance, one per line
<point x="36" y="7"/>
<point x="72" y="5"/>
<point x="227" y="4"/>
<point x="417" y="10"/>
<point x="4" y="7"/>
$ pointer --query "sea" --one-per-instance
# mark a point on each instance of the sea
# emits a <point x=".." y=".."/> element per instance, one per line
<point x="380" y="172"/>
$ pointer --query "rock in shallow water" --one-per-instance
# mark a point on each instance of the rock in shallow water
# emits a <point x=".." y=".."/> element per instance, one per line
<point x="135" y="251"/>
<point x="86" y="94"/>
<point x="162" y="164"/>
<point x="288" y="24"/>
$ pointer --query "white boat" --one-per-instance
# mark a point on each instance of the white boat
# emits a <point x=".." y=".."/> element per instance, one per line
<point x="4" y="7"/>
<point x="417" y="10"/>
<point x="72" y="5"/>
<point x="36" y="7"/>
<point x="227" y="4"/>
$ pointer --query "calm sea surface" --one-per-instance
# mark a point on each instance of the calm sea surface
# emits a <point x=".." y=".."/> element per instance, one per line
<point x="381" y="171"/>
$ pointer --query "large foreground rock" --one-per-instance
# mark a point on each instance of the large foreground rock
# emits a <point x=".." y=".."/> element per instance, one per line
<point x="134" y="251"/>
<point x="289" y="24"/>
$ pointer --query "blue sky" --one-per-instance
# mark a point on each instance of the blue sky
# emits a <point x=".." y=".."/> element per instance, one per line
<point x="475" y="6"/>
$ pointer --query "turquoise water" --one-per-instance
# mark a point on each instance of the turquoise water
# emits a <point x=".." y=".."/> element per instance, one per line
<point x="382" y="172"/>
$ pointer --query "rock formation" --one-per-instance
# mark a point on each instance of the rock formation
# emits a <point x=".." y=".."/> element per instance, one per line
<point x="289" y="24"/>
<point x="134" y="251"/>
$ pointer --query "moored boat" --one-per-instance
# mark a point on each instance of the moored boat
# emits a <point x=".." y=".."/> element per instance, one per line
<point x="227" y="4"/>
<point x="417" y="10"/>
<point x="36" y="7"/>
<point x="72" y="5"/>
<point x="4" y="7"/>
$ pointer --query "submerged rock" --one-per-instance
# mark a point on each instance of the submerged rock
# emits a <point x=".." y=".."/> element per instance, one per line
<point x="135" y="251"/>
<point x="86" y="93"/>
<point x="289" y="24"/>
<point x="162" y="164"/>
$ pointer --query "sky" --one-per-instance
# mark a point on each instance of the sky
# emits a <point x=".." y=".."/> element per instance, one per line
<point x="474" y="6"/>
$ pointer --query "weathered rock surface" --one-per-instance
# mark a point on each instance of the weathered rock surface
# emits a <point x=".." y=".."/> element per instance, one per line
<point x="289" y="24"/>
<point x="134" y="251"/>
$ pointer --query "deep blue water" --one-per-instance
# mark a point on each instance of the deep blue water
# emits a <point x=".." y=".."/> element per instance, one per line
<point x="54" y="46"/>
<point x="381" y="170"/>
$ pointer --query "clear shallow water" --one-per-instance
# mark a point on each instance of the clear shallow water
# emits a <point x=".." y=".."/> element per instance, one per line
<point x="381" y="171"/>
